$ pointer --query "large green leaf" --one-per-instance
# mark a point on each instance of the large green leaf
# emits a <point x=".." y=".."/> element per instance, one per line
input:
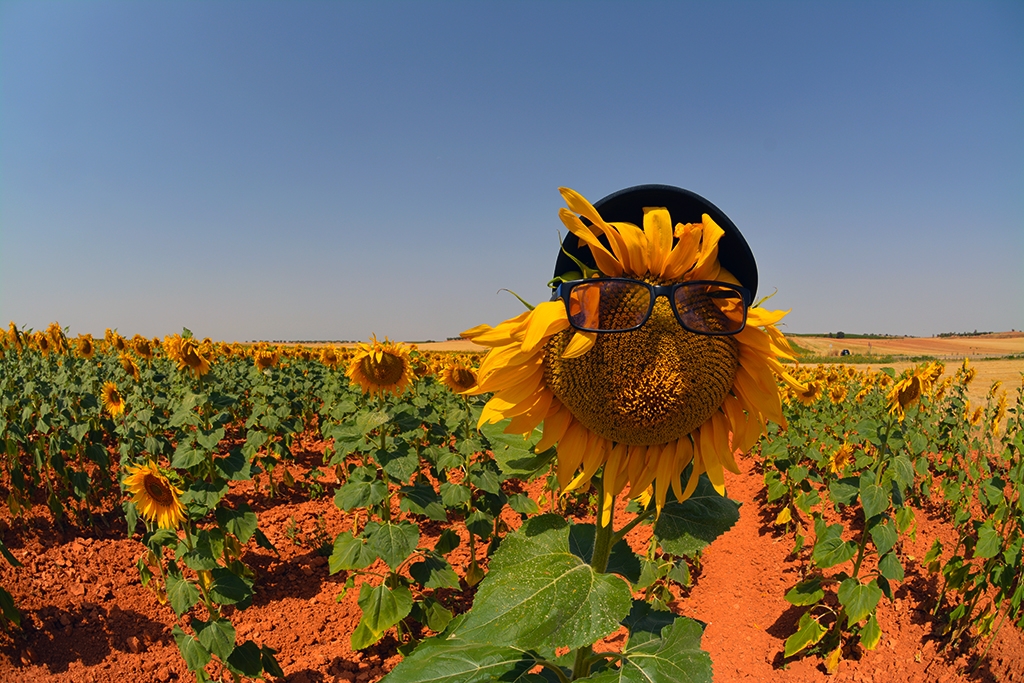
<point x="434" y="572"/>
<point x="514" y="454"/>
<point x="622" y="561"/>
<point x="350" y="552"/>
<point x="645" y="622"/>
<point x="240" y="521"/>
<point x="192" y="651"/>
<point x="989" y="541"/>
<point x="392" y="542"/>
<point x="688" y="527"/>
<point x="360" y="494"/>
<point x="230" y="589"/>
<point x="217" y="636"/>
<point x="400" y="461"/>
<point x="874" y="499"/>
<point x="858" y="599"/>
<point x="675" y="657"/>
<point x="246" y="660"/>
<point x="421" y="499"/>
<point x="181" y="593"/>
<point x="883" y="535"/>
<point x="808" y="632"/>
<point x="807" y="592"/>
<point x="538" y="594"/>
<point x="453" y="660"/>
<point x="382" y="607"/>
<point x="830" y="549"/>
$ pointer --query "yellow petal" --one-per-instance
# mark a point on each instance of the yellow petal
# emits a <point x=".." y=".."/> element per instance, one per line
<point x="547" y="319"/>
<point x="658" y="229"/>
<point x="580" y="343"/>
<point x="555" y="425"/>
<point x="605" y="260"/>
<point x="760" y="317"/>
<point x="571" y="449"/>
<point x="684" y="254"/>
<point x="636" y="245"/>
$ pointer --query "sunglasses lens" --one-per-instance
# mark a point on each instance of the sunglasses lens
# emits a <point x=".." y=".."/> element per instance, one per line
<point x="608" y="305"/>
<point x="710" y="308"/>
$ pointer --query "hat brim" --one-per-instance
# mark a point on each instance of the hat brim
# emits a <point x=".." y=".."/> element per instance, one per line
<point x="684" y="207"/>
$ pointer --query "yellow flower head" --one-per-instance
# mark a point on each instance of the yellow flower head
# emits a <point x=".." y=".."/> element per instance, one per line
<point x="265" y="357"/>
<point x="57" y="337"/>
<point x="648" y="402"/>
<point x="155" y="497"/>
<point x="189" y="354"/>
<point x="381" y="368"/>
<point x="142" y="346"/>
<point x="458" y="376"/>
<point x="15" y="336"/>
<point x="840" y="459"/>
<point x="837" y="393"/>
<point x="329" y="357"/>
<point x="904" y="394"/>
<point x="810" y="393"/>
<point x="112" y="400"/>
<point x="42" y="342"/>
<point x="128" y="363"/>
<point x="84" y="346"/>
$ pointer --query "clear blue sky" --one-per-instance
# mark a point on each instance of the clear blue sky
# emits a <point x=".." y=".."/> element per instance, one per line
<point x="321" y="170"/>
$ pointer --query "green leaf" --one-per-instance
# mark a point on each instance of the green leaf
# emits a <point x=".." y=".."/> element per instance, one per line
<point x="8" y="610"/>
<point x="431" y="614"/>
<point x="434" y="572"/>
<point x="421" y="499"/>
<point x="454" y="660"/>
<point x="228" y="588"/>
<point x="874" y="500"/>
<point x="889" y="567"/>
<point x="514" y="454"/>
<point x="645" y="622"/>
<point x="485" y="476"/>
<point x="830" y="550"/>
<point x="209" y="439"/>
<point x="622" y="561"/>
<point x="447" y="542"/>
<point x="187" y="456"/>
<point x="859" y="599"/>
<point x="675" y="656"/>
<point x="454" y="495"/>
<point x="240" y="521"/>
<point x="523" y="504"/>
<point x="903" y="471"/>
<point x="192" y="651"/>
<point x="538" y="594"/>
<point x="870" y="634"/>
<point x="246" y="660"/>
<point x="181" y="593"/>
<point x="400" y="462"/>
<point x="844" y="491"/>
<point x="270" y="664"/>
<point x="393" y="543"/>
<point x="383" y="607"/>
<point x="204" y="495"/>
<point x="688" y="527"/>
<point x="884" y="536"/>
<point x="807" y="592"/>
<point x="350" y="552"/>
<point x="360" y="494"/>
<point x="989" y="541"/>
<point x="205" y="552"/>
<point x="808" y="633"/>
<point x="217" y="636"/>
<point x="234" y="466"/>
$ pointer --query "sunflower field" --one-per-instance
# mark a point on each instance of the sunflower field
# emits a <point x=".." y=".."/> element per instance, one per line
<point x="480" y="554"/>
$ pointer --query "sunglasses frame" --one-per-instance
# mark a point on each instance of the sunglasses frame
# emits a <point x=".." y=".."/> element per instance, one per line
<point x="565" y="288"/>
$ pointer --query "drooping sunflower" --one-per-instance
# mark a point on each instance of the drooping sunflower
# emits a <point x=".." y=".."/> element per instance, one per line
<point x="189" y="354"/>
<point x="265" y="357"/>
<point x="381" y="368"/>
<point x="655" y="396"/>
<point x="142" y="346"/>
<point x="43" y="343"/>
<point x="129" y="365"/>
<point x="15" y="336"/>
<point x="113" y="402"/>
<point x="329" y="357"/>
<point x="904" y="394"/>
<point x="84" y="346"/>
<point x="458" y="376"/>
<point x="58" y="338"/>
<point x="156" y="498"/>
<point x="837" y="393"/>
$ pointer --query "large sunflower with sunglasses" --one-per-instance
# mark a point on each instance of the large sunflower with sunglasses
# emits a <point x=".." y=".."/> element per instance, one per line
<point x="649" y="358"/>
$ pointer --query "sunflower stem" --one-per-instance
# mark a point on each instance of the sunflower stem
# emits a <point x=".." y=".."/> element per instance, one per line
<point x="604" y="539"/>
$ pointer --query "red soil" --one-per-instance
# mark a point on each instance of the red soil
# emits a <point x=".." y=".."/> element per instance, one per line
<point x="86" y="616"/>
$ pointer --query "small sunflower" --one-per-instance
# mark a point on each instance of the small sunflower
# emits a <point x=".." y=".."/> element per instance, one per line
<point x="904" y="394"/>
<point x="113" y="402"/>
<point x="58" y="338"/>
<point x="265" y="357"/>
<point x="838" y="461"/>
<point x="84" y="346"/>
<point x="15" y="337"/>
<point x="154" y="495"/>
<point x="643" y="403"/>
<point x="381" y="368"/>
<point x="189" y="354"/>
<point x="329" y="357"/>
<point x="458" y="376"/>
<point x="43" y="343"/>
<point x="128" y="363"/>
<point x="810" y="393"/>
<point x="837" y="393"/>
<point x="142" y="346"/>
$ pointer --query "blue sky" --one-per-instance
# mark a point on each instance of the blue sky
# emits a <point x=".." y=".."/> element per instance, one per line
<point x="318" y="170"/>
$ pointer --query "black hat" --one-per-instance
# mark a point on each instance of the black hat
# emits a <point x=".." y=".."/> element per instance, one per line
<point x="627" y="206"/>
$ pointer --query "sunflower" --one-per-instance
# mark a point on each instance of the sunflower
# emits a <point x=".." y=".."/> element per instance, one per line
<point x="84" y="346"/>
<point x="838" y="461"/>
<point x="42" y="342"/>
<point x="904" y="394"/>
<point x="644" y="403"/>
<point x="809" y="394"/>
<point x="381" y="368"/>
<point x="265" y="357"/>
<point x="113" y="402"/>
<point x="189" y="354"/>
<point x="58" y="338"/>
<point x="128" y="363"/>
<point x="154" y="495"/>
<point x="142" y="346"/>
<point x="837" y="393"/>
<point x="329" y="357"/>
<point x="458" y="376"/>
<point x="15" y="337"/>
